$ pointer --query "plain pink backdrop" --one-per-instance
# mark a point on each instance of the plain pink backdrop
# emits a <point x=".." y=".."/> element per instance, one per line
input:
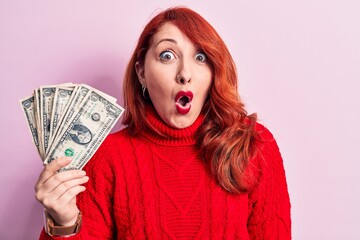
<point x="299" y="69"/>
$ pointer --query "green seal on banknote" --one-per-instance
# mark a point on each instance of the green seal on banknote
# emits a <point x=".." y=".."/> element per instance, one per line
<point x="69" y="152"/>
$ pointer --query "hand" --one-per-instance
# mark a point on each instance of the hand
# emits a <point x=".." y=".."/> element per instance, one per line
<point x="57" y="191"/>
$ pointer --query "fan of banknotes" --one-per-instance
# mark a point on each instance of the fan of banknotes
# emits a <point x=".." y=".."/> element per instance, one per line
<point x="69" y="120"/>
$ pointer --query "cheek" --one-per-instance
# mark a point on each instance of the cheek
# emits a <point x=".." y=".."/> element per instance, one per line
<point x="159" y="89"/>
<point x="205" y="83"/>
<point x="158" y="80"/>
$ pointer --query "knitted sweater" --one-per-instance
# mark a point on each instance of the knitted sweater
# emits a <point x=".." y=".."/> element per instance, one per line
<point x="153" y="187"/>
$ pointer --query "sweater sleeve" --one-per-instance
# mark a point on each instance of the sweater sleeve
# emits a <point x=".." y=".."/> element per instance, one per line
<point x="96" y="203"/>
<point x="269" y="202"/>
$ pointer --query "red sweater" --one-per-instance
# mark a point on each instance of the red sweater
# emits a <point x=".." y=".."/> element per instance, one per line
<point x="152" y="187"/>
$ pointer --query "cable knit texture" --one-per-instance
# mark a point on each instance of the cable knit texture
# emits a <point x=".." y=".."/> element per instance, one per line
<point x="156" y="187"/>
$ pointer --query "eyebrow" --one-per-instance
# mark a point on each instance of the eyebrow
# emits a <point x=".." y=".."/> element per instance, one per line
<point x="166" y="39"/>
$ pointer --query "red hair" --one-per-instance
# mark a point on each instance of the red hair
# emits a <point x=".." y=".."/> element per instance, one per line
<point x="227" y="137"/>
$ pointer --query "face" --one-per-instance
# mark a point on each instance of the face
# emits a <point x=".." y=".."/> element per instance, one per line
<point x="177" y="75"/>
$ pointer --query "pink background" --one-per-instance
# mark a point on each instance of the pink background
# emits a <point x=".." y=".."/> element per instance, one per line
<point x="299" y="68"/>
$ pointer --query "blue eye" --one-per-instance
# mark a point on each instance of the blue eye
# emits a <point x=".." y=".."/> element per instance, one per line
<point x="200" y="56"/>
<point x="167" y="55"/>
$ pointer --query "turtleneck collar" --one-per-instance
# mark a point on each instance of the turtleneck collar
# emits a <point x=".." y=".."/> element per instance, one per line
<point x="163" y="134"/>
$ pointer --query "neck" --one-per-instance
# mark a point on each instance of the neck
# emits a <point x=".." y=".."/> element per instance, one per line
<point x="161" y="133"/>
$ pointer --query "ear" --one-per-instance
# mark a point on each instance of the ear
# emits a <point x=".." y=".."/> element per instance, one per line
<point x="140" y="71"/>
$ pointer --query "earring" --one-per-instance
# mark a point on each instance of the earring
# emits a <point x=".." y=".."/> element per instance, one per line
<point x="145" y="93"/>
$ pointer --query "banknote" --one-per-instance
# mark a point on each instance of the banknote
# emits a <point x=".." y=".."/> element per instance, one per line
<point x="107" y="96"/>
<point x="92" y="122"/>
<point x="37" y="114"/>
<point x="61" y="100"/>
<point x="47" y="94"/>
<point x="28" y="107"/>
<point x="80" y="94"/>
<point x="69" y="120"/>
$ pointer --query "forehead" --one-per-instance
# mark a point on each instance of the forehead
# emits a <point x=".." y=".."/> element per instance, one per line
<point x="169" y="31"/>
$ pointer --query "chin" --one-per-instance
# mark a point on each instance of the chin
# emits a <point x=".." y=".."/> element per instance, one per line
<point x="182" y="123"/>
<point x="181" y="126"/>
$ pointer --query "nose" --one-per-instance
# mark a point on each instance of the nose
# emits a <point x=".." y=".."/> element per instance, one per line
<point x="184" y="74"/>
<point x="181" y="79"/>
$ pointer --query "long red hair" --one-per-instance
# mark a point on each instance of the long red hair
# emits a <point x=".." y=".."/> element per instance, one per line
<point x="227" y="137"/>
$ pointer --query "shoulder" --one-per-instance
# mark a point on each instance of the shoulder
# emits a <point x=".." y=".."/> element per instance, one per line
<point x="267" y="151"/>
<point x="263" y="133"/>
<point x="266" y="142"/>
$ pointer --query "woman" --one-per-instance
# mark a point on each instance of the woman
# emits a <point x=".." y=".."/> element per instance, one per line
<point x="191" y="163"/>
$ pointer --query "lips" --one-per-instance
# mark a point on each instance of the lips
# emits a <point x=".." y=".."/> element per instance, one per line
<point x="183" y="101"/>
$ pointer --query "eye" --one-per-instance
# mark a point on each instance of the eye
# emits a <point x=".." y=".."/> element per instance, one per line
<point x="201" y="56"/>
<point x="167" y="55"/>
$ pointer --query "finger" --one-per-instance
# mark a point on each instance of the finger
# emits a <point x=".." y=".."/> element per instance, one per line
<point x="49" y="198"/>
<point x="66" y="186"/>
<point x="67" y="197"/>
<point x="50" y="170"/>
<point x="59" y="178"/>
<point x="55" y="165"/>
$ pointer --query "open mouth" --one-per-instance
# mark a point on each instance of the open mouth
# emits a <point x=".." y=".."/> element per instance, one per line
<point x="183" y="101"/>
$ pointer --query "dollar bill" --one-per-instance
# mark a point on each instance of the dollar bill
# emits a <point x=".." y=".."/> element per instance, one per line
<point x="80" y="92"/>
<point x="47" y="95"/>
<point x="92" y="122"/>
<point x="62" y="101"/>
<point x="37" y="114"/>
<point x="69" y="120"/>
<point x="108" y="97"/>
<point x="28" y="107"/>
